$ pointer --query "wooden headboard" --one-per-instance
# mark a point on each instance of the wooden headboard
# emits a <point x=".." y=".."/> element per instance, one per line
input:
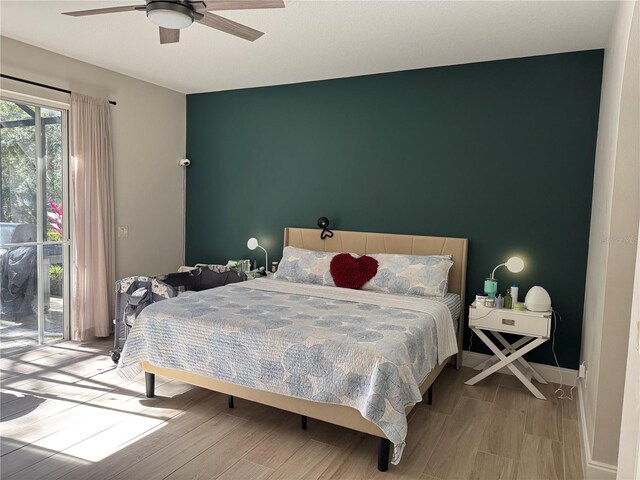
<point x="363" y="243"/>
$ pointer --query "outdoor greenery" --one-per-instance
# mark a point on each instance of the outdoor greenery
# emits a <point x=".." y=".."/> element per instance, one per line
<point x="18" y="165"/>
<point x="56" y="275"/>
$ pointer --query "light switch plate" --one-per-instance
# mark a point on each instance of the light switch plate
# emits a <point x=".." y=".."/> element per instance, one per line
<point x="123" y="231"/>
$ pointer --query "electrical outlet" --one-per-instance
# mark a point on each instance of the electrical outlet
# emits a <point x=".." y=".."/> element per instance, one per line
<point x="582" y="371"/>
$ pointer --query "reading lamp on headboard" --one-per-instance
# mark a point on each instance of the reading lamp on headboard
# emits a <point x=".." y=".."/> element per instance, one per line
<point x="323" y="223"/>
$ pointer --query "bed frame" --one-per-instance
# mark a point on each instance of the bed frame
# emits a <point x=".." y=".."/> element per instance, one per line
<point x="354" y="242"/>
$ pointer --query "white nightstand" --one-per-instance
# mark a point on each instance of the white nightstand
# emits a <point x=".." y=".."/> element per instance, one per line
<point x="535" y="329"/>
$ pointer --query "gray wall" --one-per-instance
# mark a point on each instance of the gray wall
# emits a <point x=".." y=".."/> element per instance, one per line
<point x="612" y="246"/>
<point x="148" y="140"/>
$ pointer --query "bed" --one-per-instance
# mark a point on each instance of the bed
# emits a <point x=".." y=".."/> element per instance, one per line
<point x="357" y="359"/>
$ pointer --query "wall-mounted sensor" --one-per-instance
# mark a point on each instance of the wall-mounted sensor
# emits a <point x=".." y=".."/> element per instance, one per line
<point x="185" y="162"/>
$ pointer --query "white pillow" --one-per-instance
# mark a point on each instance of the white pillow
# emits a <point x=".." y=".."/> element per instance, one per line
<point x="305" y="266"/>
<point x="411" y="274"/>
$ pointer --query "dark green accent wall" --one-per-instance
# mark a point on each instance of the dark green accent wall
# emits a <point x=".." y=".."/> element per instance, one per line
<point x="499" y="152"/>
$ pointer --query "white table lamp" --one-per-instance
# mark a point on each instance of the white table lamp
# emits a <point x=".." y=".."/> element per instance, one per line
<point x="252" y="244"/>
<point x="514" y="265"/>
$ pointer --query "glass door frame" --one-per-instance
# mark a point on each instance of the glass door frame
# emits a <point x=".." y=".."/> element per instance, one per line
<point x="41" y="213"/>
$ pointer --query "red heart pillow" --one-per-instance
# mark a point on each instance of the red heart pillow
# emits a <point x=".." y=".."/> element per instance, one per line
<point x="352" y="272"/>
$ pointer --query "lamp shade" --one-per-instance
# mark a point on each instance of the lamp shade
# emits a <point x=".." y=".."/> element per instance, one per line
<point x="172" y="15"/>
<point x="252" y="243"/>
<point x="515" y="264"/>
<point x="169" y="19"/>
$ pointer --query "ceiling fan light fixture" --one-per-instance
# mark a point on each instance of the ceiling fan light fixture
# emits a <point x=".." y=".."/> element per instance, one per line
<point x="170" y="14"/>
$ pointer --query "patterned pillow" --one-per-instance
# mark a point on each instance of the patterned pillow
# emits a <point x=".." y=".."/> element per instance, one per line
<point x="305" y="266"/>
<point x="411" y="274"/>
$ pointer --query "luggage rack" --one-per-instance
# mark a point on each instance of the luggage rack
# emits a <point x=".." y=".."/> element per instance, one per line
<point x="201" y="277"/>
<point x="122" y="325"/>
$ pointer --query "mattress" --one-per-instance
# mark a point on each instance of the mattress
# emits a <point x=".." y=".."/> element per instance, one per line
<point x="452" y="301"/>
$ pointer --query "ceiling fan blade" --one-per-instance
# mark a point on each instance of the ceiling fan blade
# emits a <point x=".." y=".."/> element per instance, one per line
<point x="169" y="35"/>
<point x="229" y="26"/>
<point x="100" y="11"/>
<point x="241" y="4"/>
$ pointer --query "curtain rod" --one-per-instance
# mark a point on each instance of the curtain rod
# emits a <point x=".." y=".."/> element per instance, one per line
<point x="43" y="85"/>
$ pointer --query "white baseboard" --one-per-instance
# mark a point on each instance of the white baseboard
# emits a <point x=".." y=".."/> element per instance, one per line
<point x="565" y="376"/>
<point x="593" y="470"/>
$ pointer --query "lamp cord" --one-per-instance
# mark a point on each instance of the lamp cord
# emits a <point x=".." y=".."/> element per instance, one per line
<point x="559" y="392"/>
<point x="471" y="338"/>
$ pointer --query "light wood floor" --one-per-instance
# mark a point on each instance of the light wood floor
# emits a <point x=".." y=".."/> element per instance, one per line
<point x="19" y="333"/>
<point x="67" y="415"/>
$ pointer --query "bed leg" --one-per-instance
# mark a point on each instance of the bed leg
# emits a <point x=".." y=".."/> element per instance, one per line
<point x="230" y="401"/>
<point x="430" y="395"/>
<point x="384" y="446"/>
<point x="303" y="422"/>
<point x="150" y="384"/>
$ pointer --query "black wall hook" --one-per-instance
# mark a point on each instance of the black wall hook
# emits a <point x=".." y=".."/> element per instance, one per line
<point x="323" y="223"/>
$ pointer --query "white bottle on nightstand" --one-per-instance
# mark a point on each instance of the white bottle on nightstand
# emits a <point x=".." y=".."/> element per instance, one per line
<point x="514" y="294"/>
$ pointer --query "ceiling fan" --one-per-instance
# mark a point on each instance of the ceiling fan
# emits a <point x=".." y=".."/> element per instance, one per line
<point x="172" y="15"/>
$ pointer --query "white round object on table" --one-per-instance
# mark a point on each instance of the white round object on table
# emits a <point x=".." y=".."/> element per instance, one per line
<point x="537" y="300"/>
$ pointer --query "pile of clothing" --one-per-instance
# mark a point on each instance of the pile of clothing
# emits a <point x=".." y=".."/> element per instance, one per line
<point x="203" y="277"/>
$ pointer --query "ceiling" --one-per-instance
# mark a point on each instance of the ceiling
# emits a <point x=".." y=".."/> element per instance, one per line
<point x="310" y="40"/>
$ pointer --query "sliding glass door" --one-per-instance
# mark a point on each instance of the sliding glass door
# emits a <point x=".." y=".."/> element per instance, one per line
<point x="34" y="239"/>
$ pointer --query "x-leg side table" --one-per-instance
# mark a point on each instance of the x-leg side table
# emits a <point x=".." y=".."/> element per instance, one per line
<point x="514" y="353"/>
<point x="534" y="328"/>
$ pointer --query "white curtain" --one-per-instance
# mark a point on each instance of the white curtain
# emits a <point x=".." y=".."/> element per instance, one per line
<point x="93" y="224"/>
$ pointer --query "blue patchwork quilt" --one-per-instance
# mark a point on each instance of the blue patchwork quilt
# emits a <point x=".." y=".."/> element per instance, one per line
<point x="366" y="350"/>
